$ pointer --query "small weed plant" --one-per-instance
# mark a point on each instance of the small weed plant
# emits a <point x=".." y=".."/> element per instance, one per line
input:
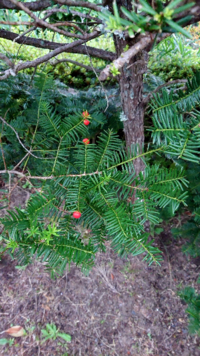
<point x="52" y="333"/>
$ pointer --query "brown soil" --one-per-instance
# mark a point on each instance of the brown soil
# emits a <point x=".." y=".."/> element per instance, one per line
<point x="122" y="308"/>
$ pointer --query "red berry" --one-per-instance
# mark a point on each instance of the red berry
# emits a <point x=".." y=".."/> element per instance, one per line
<point x="86" y="141"/>
<point x="76" y="214"/>
<point x="85" y="114"/>
<point x="86" y="122"/>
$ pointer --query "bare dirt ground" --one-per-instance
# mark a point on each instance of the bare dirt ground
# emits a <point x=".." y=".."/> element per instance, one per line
<point x="124" y="307"/>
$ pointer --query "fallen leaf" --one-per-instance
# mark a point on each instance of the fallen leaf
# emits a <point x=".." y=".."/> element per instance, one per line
<point x="181" y="320"/>
<point x="16" y="331"/>
<point x="46" y="307"/>
<point x="112" y="276"/>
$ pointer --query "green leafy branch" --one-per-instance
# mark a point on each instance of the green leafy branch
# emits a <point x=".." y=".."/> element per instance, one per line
<point x="159" y="20"/>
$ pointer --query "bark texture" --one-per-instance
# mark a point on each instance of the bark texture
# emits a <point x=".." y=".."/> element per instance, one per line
<point x="131" y="87"/>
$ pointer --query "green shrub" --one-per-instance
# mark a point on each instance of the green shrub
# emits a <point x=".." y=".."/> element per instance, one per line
<point x="189" y="296"/>
<point x="190" y="230"/>
<point x="174" y="58"/>
<point x="97" y="179"/>
<point x="18" y="100"/>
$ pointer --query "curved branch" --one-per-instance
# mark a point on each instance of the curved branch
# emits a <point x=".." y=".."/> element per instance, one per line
<point x="73" y="62"/>
<point x="125" y="57"/>
<point x="15" y="23"/>
<point x="40" y="43"/>
<point x="43" y="4"/>
<point x="65" y="11"/>
<point x="40" y="60"/>
<point x="144" y="41"/>
<point x="7" y="60"/>
<point x="33" y="5"/>
<point x="150" y="95"/>
<point x="45" y="24"/>
<point x="88" y="5"/>
<point x="18" y="138"/>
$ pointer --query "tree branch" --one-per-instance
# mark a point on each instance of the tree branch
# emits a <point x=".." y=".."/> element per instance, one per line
<point x="70" y="24"/>
<point x="88" y="5"/>
<point x="43" y="4"/>
<point x="10" y="23"/>
<point x="7" y="60"/>
<point x="33" y="5"/>
<point x="63" y="23"/>
<point x="44" y="24"/>
<point x="18" y="138"/>
<point x="87" y="16"/>
<point x="65" y="11"/>
<point x="125" y="57"/>
<point x="40" y="43"/>
<point x="73" y="62"/>
<point x="150" y="95"/>
<point x="40" y="60"/>
<point x="51" y="177"/>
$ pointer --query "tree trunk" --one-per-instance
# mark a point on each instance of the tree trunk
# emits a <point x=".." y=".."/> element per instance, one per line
<point x="131" y="88"/>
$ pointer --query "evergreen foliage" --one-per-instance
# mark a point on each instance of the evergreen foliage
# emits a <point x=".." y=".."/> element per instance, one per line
<point x="176" y="115"/>
<point x="174" y="58"/>
<point x="95" y="179"/>
<point x="193" y="300"/>
<point x="190" y="230"/>
<point x="21" y="98"/>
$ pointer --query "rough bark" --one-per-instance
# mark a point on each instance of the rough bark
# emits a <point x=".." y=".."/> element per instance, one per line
<point x="33" y="5"/>
<point x="43" y="4"/>
<point x="131" y="87"/>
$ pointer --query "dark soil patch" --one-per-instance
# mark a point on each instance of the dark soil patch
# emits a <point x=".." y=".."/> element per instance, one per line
<point x="122" y="308"/>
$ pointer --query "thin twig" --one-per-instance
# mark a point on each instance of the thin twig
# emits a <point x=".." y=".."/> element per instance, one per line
<point x="70" y="24"/>
<point x="18" y="164"/>
<point x="24" y="33"/>
<point x="102" y="87"/>
<point x="74" y="62"/>
<point x="87" y="16"/>
<point x="9" y="189"/>
<point x="7" y="60"/>
<point x="76" y="3"/>
<point x="2" y="152"/>
<point x="44" y="24"/>
<point x="150" y="95"/>
<point x="46" y="57"/>
<point x="21" y="143"/>
<point x="48" y="177"/>
<point x="16" y="23"/>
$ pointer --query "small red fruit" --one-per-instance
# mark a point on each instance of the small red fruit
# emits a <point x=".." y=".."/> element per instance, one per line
<point x="86" y="141"/>
<point x="85" y="114"/>
<point x="86" y="122"/>
<point x="76" y="214"/>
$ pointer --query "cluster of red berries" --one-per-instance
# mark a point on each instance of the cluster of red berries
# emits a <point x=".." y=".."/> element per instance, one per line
<point x="86" y="122"/>
<point x="86" y="141"/>
<point x="86" y="115"/>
